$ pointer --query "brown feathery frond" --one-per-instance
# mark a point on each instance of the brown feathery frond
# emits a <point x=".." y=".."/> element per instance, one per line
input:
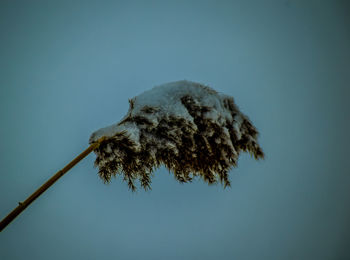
<point x="190" y="128"/>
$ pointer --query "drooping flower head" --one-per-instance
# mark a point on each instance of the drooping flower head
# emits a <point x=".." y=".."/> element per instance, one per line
<point x="189" y="128"/>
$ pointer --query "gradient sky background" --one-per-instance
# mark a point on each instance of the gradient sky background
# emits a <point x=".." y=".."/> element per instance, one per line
<point x="69" y="67"/>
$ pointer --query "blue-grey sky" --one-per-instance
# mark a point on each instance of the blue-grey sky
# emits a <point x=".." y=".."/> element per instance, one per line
<point x="69" y="67"/>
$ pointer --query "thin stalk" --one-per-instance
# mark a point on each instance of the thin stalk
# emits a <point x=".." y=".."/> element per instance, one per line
<point x="23" y="205"/>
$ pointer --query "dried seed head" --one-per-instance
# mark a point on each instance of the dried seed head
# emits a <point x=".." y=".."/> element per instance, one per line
<point x="188" y="127"/>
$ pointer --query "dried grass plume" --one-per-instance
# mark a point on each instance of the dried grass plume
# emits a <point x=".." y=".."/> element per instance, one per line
<point x="188" y="127"/>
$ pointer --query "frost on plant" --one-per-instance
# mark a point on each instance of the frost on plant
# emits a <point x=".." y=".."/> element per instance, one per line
<point x="188" y="127"/>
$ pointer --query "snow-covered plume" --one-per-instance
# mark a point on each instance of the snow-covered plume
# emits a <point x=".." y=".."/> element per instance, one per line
<point x="186" y="126"/>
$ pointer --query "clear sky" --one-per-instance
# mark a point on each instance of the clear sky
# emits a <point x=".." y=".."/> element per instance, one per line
<point x="68" y="68"/>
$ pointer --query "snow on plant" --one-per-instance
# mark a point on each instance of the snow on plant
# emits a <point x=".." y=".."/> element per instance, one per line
<point x="186" y="126"/>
